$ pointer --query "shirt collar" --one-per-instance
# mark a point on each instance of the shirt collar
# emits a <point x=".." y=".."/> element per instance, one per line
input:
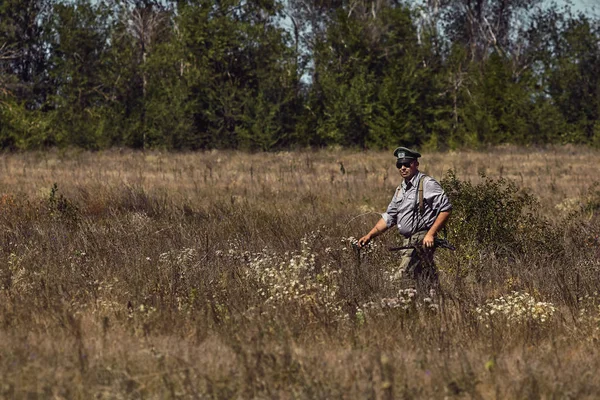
<point x="413" y="181"/>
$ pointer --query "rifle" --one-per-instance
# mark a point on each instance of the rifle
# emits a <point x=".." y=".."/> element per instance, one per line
<point x="441" y="243"/>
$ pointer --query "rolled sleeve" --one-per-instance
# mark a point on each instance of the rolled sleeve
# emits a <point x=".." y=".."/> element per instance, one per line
<point x="390" y="216"/>
<point x="437" y="197"/>
<point x="389" y="220"/>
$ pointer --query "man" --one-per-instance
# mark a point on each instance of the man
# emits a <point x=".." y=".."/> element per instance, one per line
<point x="419" y="209"/>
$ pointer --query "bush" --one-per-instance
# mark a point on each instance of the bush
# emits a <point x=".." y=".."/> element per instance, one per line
<point x="495" y="217"/>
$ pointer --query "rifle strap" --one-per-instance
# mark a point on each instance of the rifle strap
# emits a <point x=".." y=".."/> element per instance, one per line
<point x="420" y="193"/>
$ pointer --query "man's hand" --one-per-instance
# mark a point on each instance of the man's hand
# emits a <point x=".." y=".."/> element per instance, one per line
<point x="363" y="241"/>
<point x="377" y="230"/>
<point x="440" y="221"/>
<point x="428" y="240"/>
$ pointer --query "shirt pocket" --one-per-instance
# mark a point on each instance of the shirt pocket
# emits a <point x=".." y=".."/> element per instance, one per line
<point x="399" y="196"/>
<point x="410" y="196"/>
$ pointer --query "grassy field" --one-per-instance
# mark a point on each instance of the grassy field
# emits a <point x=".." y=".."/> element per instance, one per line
<point x="231" y="275"/>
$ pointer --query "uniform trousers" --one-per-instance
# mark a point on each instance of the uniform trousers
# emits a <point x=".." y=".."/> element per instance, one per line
<point x="417" y="265"/>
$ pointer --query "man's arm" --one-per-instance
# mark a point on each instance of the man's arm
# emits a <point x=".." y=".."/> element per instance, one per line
<point x="377" y="230"/>
<point x="438" y="224"/>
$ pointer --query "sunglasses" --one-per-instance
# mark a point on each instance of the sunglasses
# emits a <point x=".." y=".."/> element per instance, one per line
<point x="403" y="164"/>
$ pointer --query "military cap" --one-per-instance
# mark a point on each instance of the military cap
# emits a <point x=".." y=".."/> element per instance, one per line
<point x="404" y="154"/>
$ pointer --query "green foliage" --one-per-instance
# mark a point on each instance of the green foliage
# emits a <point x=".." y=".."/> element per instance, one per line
<point x="199" y="74"/>
<point x="570" y="60"/>
<point x="375" y="86"/>
<point x="21" y="128"/>
<point x="243" y="82"/>
<point x="59" y="207"/>
<point x="10" y="118"/>
<point x="495" y="216"/>
<point x="168" y="115"/>
<point x="24" y="50"/>
<point x="79" y="44"/>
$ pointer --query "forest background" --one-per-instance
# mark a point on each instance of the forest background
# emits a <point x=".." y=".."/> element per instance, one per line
<point x="271" y="74"/>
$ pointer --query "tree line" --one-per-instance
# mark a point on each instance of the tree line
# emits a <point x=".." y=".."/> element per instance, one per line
<point x="275" y="74"/>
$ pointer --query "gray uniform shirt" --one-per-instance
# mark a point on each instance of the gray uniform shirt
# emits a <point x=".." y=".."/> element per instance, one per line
<point x="403" y="210"/>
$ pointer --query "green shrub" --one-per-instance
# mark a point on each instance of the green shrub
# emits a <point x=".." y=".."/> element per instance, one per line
<point x="61" y="208"/>
<point x="495" y="217"/>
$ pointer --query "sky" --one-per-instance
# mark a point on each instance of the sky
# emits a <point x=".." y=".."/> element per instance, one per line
<point x="591" y="7"/>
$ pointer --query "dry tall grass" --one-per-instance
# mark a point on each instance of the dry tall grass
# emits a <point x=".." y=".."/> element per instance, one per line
<point x="230" y="275"/>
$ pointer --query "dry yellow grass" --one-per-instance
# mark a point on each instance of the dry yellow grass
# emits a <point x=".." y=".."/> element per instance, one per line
<point x="157" y="275"/>
<point x="553" y="174"/>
